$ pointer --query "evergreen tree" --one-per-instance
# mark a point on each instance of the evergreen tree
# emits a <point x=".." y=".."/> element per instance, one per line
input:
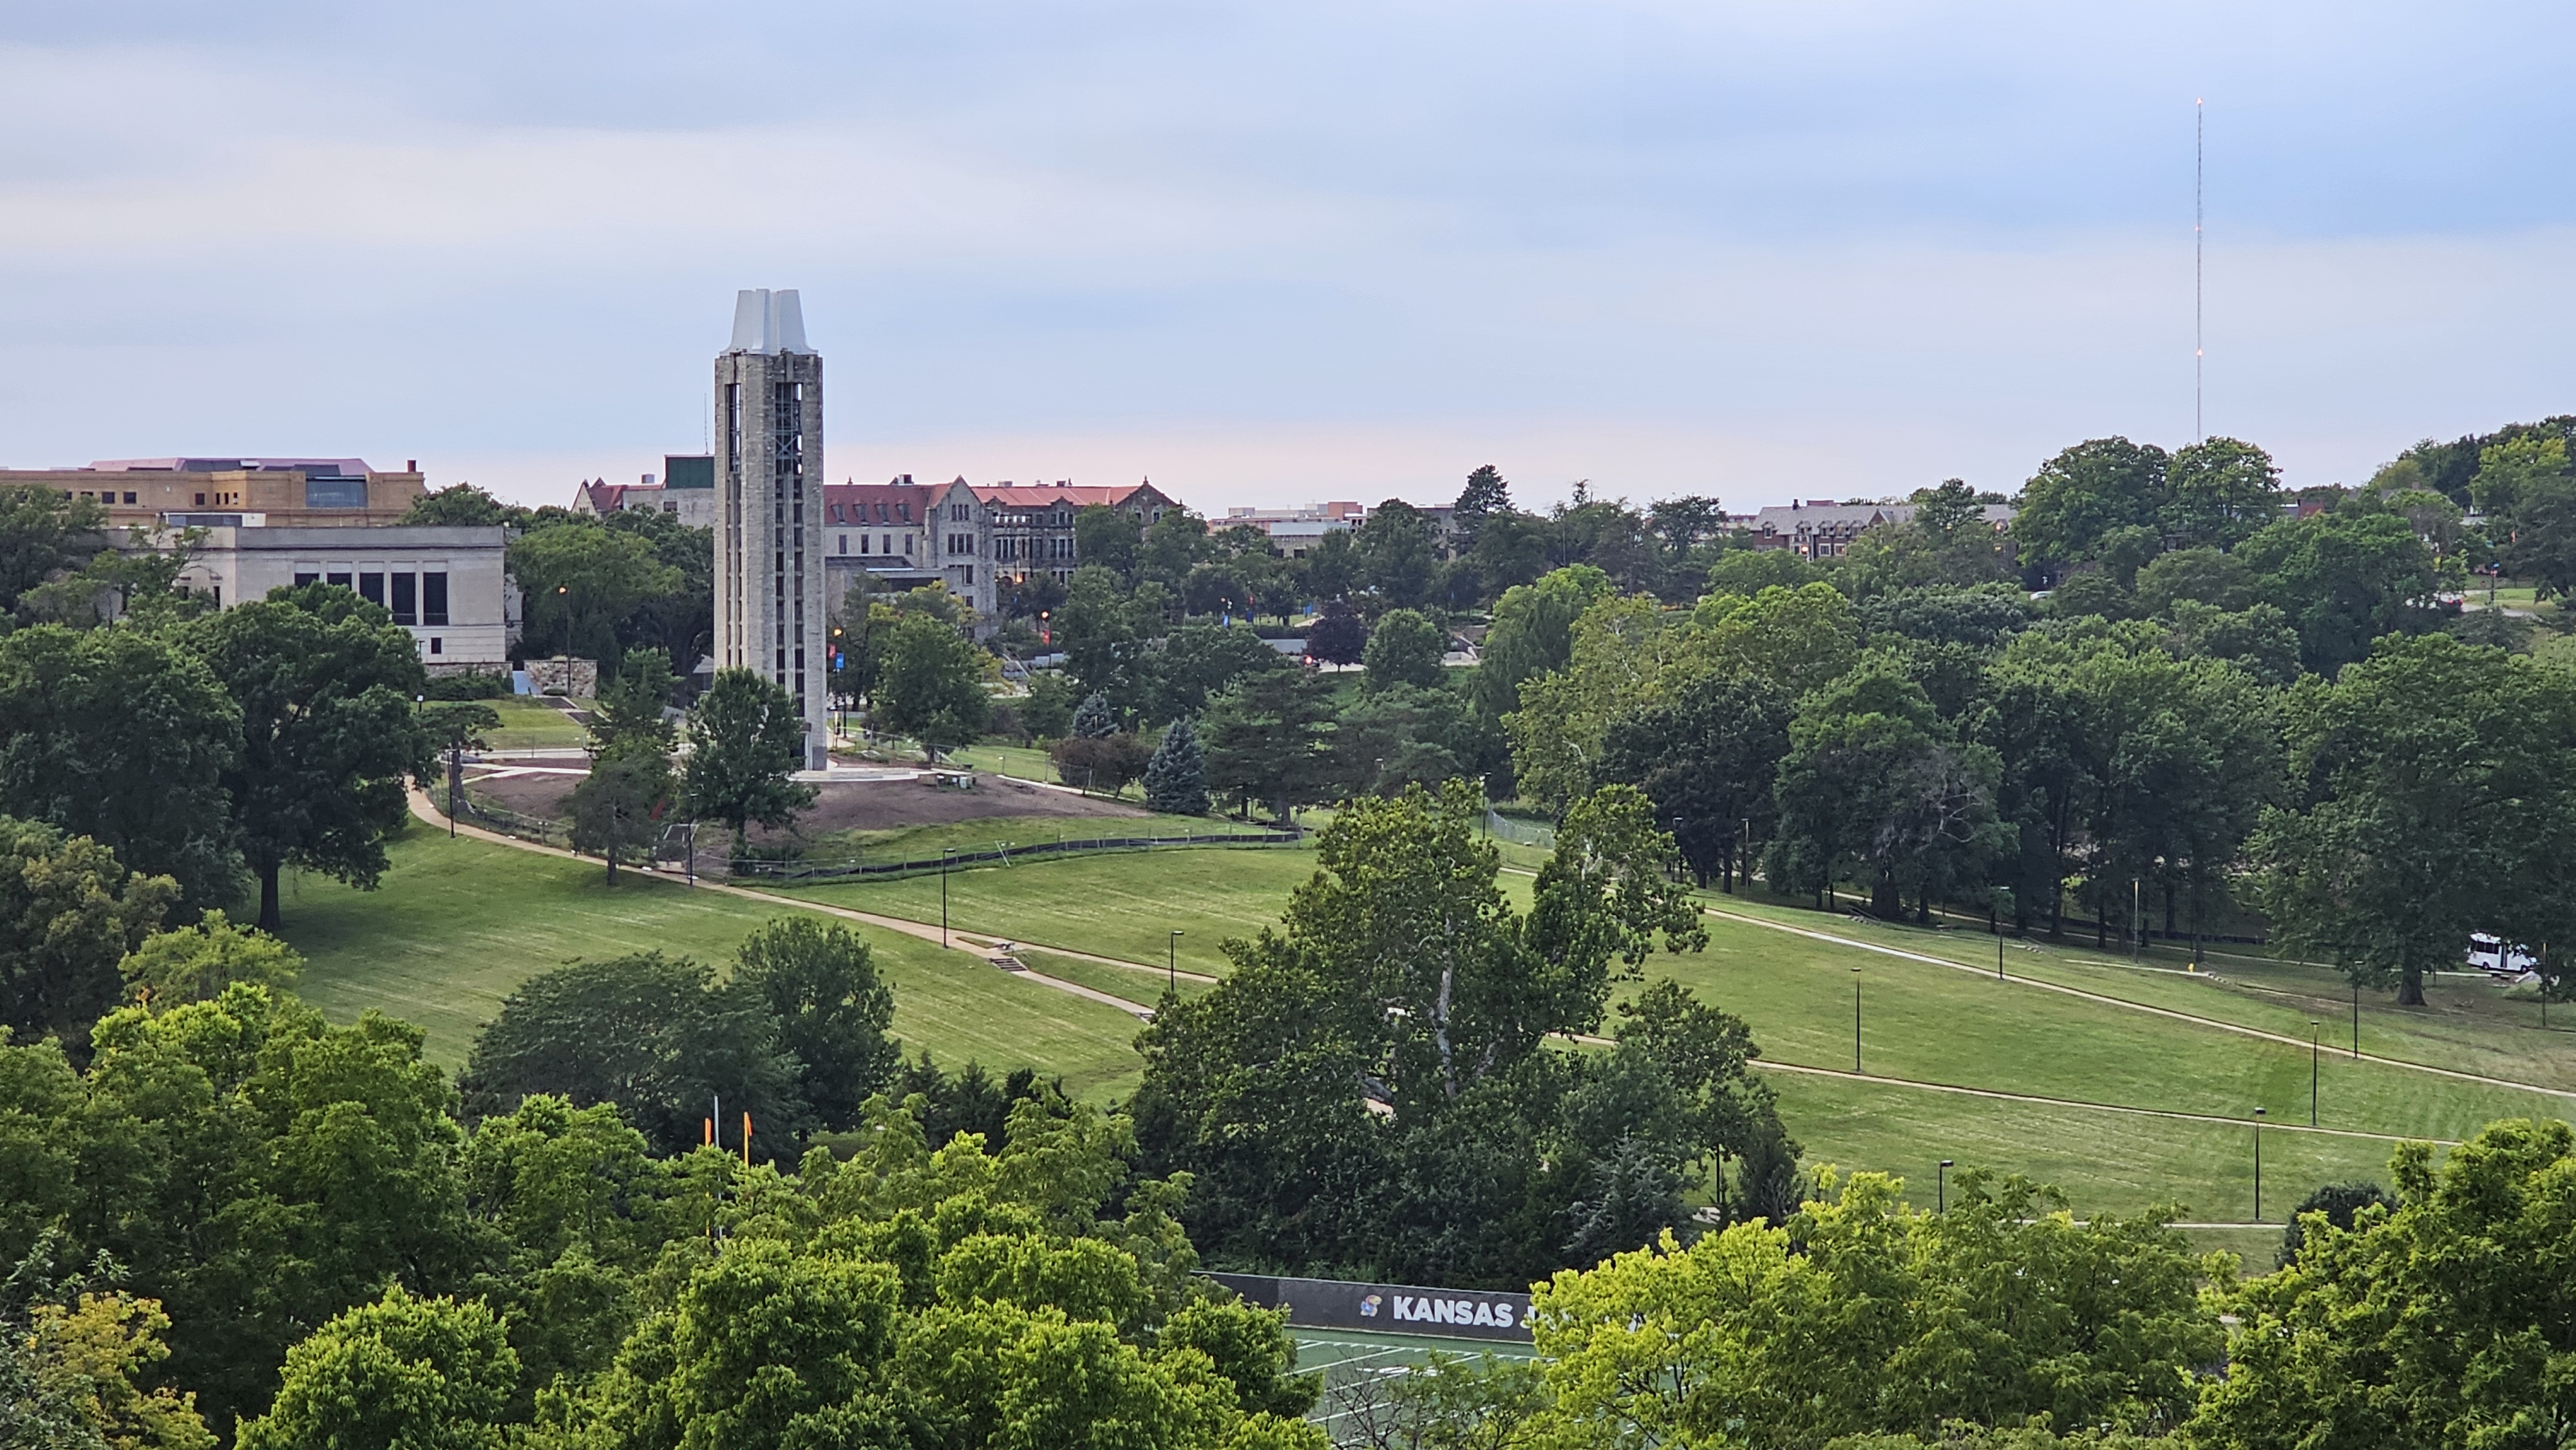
<point x="1092" y="720"/>
<point x="1176" y="778"/>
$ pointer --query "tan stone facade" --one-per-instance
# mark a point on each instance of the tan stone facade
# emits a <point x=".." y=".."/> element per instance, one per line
<point x="299" y="493"/>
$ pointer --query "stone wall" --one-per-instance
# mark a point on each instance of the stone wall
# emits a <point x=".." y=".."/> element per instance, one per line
<point x="565" y="675"/>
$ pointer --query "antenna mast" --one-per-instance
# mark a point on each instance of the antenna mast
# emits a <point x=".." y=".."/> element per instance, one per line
<point x="2199" y="170"/>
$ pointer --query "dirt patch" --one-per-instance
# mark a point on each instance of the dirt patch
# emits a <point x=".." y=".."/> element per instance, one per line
<point x="849" y="805"/>
<point x="846" y="805"/>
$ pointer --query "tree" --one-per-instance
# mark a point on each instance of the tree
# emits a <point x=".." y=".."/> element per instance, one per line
<point x="1200" y="660"/>
<point x="1338" y="636"/>
<point x="123" y="737"/>
<point x="1098" y="630"/>
<point x="71" y="1349"/>
<point x="1399" y="736"/>
<point x="932" y="686"/>
<point x="2432" y="1323"/>
<point x="405" y="1371"/>
<point x="1875" y="780"/>
<point x="2200" y="575"/>
<point x="1105" y="538"/>
<point x="2085" y="492"/>
<point x="1093" y="719"/>
<point x="680" y="619"/>
<point x="1047" y="713"/>
<point x="618" y="807"/>
<point x="1750" y="571"/>
<point x="1176" y="778"/>
<point x="1395" y="553"/>
<point x="745" y="741"/>
<point x="2432" y="781"/>
<point x="653" y="1035"/>
<point x="1621" y="655"/>
<point x="44" y="533"/>
<point x="1267" y="740"/>
<point x="69" y="912"/>
<point x="630" y="719"/>
<point x="197" y="963"/>
<point x="2219" y="491"/>
<point x="1332" y="566"/>
<point x="580" y="578"/>
<point x="821" y="987"/>
<point x="1485" y="497"/>
<point x="1405" y="649"/>
<point x="325" y="682"/>
<point x="461" y="505"/>
<point x="1100" y="762"/>
<point x="1532" y="634"/>
<point x="1799" y="639"/>
<point x="1707" y="756"/>
<point x="2344" y="578"/>
<point x="1860" y="1315"/>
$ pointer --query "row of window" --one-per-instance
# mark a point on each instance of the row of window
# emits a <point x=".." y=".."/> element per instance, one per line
<point x="859" y="514"/>
<point x="885" y="544"/>
<point x="108" y="495"/>
<point x="1058" y="547"/>
<point x="415" y="599"/>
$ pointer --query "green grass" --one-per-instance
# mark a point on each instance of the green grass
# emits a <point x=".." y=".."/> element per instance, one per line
<point x="1017" y="761"/>
<point x="1144" y="988"/>
<point x="458" y="924"/>
<point x="1123" y="904"/>
<point x="530" y="725"/>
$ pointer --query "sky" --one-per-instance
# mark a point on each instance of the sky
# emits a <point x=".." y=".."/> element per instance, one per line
<point x="1286" y="253"/>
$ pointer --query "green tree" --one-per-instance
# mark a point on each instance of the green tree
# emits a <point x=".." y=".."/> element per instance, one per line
<point x="821" y="987"/>
<point x="1405" y="649"/>
<point x="69" y="912"/>
<point x="2436" y="1323"/>
<point x="1093" y="719"/>
<point x="1047" y="713"/>
<point x="196" y="963"/>
<point x="2219" y="491"/>
<point x="43" y="535"/>
<point x="1396" y="737"/>
<point x="1105" y="538"/>
<point x="932" y="686"/>
<point x="1099" y="631"/>
<point x="1176" y="778"/>
<point x="430" y="1373"/>
<point x="1707" y="756"/>
<point x="1750" y="571"/>
<point x="1395" y="553"/>
<point x="581" y="578"/>
<point x="462" y="505"/>
<point x="1799" y="639"/>
<point x="652" y="1035"/>
<point x="1860" y="1315"/>
<point x="325" y="682"/>
<point x="2200" y="575"/>
<point x="2345" y="577"/>
<point x="2430" y="783"/>
<point x="2084" y="493"/>
<point x="1485" y="497"/>
<point x="630" y="718"/>
<point x="1875" y="782"/>
<point x="123" y="737"/>
<point x="1197" y="661"/>
<point x="1268" y="740"/>
<point x="745" y="742"/>
<point x="618" y="807"/>
<point x="679" y="619"/>
<point x="1332" y="566"/>
<point x="1622" y="651"/>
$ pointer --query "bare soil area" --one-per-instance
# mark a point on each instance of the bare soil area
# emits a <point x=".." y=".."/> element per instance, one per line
<point x="848" y="805"/>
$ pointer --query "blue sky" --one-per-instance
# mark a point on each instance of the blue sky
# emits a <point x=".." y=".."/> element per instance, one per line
<point x="1285" y="253"/>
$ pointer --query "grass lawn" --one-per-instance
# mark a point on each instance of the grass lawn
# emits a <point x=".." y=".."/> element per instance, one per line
<point x="458" y="924"/>
<point x="1123" y="904"/>
<point x="1144" y="988"/>
<point x="529" y="725"/>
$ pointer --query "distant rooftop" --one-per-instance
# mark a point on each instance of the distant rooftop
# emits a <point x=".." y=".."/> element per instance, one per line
<point x="311" y="467"/>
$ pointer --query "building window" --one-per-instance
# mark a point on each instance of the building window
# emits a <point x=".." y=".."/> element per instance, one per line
<point x="433" y="598"/>
<point x="907" y="546"/>
<point x="845" y="541"/>
<point x="863" y="543"/>
<point x="129" y="495"/>
<point x="302" y="578"/>
<point x="340" y="577"/>
<point x="437" y="646"/>
<point x="201" y="500"/>
<point x="371" y="587"/>
<point x="406" y="599"/>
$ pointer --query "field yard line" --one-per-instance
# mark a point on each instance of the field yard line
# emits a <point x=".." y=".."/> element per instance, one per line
<point x="1943" y="1087"/>
<point x="2255" y="1032"/>
<point x="423" y="807"/>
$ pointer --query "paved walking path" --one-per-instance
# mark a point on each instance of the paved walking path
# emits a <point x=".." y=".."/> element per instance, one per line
<point x="2126" y="1005"/>
<point x="427" y="809"/>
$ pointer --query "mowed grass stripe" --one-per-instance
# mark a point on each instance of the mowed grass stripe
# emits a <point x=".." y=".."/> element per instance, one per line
<point x="457" y="925"/>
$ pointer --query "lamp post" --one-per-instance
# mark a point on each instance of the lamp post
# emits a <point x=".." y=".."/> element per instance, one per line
<point x="1941" y="1190"/>
<point x="944" y="853"/>
<point x="1677" y="842"/>
<point x="1171" y="964"/>
<point x="2258" y="1165"/>
<point x="2312" y="1074"/>
<point x="1856" y="1021"/>
<point x="2356" y="1019"/>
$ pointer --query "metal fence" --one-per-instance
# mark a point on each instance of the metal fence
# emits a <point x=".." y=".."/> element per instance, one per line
<point x="1519" y="833"/>
<point x="807" y="870"/>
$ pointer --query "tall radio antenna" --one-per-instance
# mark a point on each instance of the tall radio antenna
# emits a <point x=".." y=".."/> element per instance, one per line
<point x="2199" y="171"/>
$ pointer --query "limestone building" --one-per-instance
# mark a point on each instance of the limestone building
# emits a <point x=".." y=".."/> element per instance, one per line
<point x="769" y="505"/>
<point x="236" y="492"/>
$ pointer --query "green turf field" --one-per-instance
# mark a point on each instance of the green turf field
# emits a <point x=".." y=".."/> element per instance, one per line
<point x="528" y="724"/>
<point x="458" y="924"/>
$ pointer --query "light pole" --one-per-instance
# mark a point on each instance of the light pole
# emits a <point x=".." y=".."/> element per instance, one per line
<point x="2356" y="1019"/>
<point x="944" y="853"/>
<point x="1941" y="1190"/>
<point x="1677" y="848"/>
<point x="2312" y="1075"/>
<point x="1171" y="964"/>
<point x="1856" y="1022"/>
<point x="2258" y="1165"/>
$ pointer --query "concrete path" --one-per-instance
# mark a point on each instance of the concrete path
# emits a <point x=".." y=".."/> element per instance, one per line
<point x="427" y="809"/>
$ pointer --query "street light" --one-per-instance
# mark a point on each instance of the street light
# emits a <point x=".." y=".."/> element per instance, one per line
<point x="1171" y="964"/>
<point x="1856" y="1022"/>
<point x="1941" y="1191"/>
<point x="944" y="853"/>
<point x="2258" y="1165"/>
<point x="2356" y="1019"/>
<point x="2312" y="1074"/>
